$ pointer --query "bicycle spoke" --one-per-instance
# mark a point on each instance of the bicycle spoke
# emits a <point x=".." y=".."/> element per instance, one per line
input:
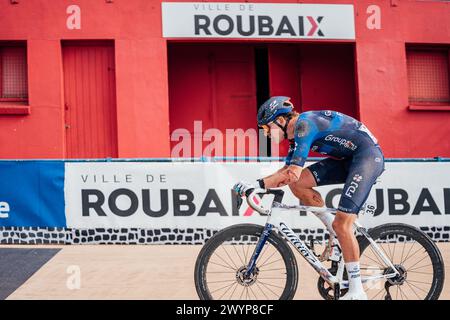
<point x="409" y="271"/>
<point x="222" y="288"/>
<point x="276" y="269"/>
<point x="272" y="285"/>
<point x="378" y="263"/>
<point x="246" y="253"/>
<point x="243" y="290"/>
<point x="419" y="261"/>
<point x="230" y="266"/>
<point x="230" y="257"/>
<point x="237" y="285"/>
<point x="393" y="252"/>
<point x="276" y="295"/>
<point x="373" y="298"/>
<point x="273" y="262"/>
<point x="253" y="293"/>
<point x="420" y="267"/>
<point x="263" y="263"/>
<point x="413" y="290"/>
<point x="401" y="292"/>
<point x="243" y="263"/>
<point x="403" y="250"/>
<point x="377" y="255"/>
<point x="226" y="291"/>
<point x="221" y="266"/>
<point x="409" y="282"/>
<point x="420" y="282"/>
<point x="267" y="298"/>
<point x="384" y="252"/>
<point x="414" y="254"/>
<point x="407" y="255"/>
<point x="222" y="281"/>
<point x="389" y="248"/>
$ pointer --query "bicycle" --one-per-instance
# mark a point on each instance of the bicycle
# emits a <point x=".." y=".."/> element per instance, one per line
<point x="246" y="276"/>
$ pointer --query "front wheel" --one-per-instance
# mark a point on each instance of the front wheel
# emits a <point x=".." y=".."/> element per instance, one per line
<point x="222" y="262"/>
<point x="413" y="254"/>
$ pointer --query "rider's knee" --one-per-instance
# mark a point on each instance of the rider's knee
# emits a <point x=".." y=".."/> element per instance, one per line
<point x="338" y="226"/>
<point x="342" y="226"/>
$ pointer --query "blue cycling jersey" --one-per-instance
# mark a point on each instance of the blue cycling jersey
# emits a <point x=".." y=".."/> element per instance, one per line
<point x="330" y="133"/>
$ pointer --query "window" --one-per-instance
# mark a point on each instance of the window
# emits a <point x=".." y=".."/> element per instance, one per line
<point x="428" y="76"/>
<point x="13" y="73"/>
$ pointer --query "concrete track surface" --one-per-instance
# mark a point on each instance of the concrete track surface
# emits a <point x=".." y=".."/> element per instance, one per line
<point x="161" y="272"/>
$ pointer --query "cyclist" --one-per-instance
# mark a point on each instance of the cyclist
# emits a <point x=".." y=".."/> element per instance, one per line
<point x="355" y="160"/>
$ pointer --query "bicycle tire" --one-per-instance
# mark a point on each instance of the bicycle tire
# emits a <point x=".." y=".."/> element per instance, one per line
<point x="240" y="230"/>
<point x="432" y="250"/>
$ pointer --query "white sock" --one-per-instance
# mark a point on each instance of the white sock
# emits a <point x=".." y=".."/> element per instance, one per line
<point x="354" y="277"/>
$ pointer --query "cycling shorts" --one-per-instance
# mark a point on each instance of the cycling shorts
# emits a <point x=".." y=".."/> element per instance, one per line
<point x="358" y="173"/>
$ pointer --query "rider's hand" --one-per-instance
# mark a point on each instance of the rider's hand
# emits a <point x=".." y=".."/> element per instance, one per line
<point x="243" y="188"/>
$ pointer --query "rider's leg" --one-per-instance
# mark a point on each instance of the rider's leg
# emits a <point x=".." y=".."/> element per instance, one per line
<point x="303" y="189"/>
<point x="343" y="226"/>
<point x="363" y="172"/>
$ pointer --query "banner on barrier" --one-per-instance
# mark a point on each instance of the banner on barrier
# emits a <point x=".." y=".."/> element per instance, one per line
<point x="198" y="195"/>
<point x="32" y="194"/>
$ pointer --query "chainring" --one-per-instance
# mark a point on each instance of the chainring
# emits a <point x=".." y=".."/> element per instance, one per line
<point x="325" y="290"/>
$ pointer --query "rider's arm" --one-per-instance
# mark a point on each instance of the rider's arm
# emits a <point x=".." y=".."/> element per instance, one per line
<point x="283" y="177"/>
<point x="290" y="173"/>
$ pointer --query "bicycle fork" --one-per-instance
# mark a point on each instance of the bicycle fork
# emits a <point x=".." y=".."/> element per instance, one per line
<point x="259" y="246"/>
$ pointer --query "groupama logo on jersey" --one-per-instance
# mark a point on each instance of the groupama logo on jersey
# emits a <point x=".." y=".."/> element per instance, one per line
<point x="342" y="142"/>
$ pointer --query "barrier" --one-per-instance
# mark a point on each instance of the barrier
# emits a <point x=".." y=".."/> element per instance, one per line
<point x="184" y="201"/>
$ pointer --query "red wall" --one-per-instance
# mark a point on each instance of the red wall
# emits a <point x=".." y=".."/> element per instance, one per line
<point x="215" y="84"/>
<point x="382" y="77"/>
<point x="141" y="74"/>
<point x="142" y="90"/>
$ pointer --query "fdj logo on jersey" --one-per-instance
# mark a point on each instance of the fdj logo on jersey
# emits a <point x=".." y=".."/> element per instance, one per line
<point x="353" y="185"/>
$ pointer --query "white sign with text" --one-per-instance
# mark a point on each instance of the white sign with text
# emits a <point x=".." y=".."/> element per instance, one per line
<point x="199" y="195"/>
<point x="258" y="20"/>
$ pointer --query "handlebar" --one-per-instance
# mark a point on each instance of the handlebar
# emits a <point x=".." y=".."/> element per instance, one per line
<point x="251" y="202"/>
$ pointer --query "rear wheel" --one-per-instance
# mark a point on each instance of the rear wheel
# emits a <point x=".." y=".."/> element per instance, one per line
<point x="222" y="262"/>
<point x="413" y="254"/>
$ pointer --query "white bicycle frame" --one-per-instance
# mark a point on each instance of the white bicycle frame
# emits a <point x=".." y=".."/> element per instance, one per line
<point x="274" y="221"/>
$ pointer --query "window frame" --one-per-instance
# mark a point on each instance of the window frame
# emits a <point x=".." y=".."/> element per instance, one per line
<point x="428" y="106"/>
<point x="13" y="106"/>
<point x="20" y="45"/>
